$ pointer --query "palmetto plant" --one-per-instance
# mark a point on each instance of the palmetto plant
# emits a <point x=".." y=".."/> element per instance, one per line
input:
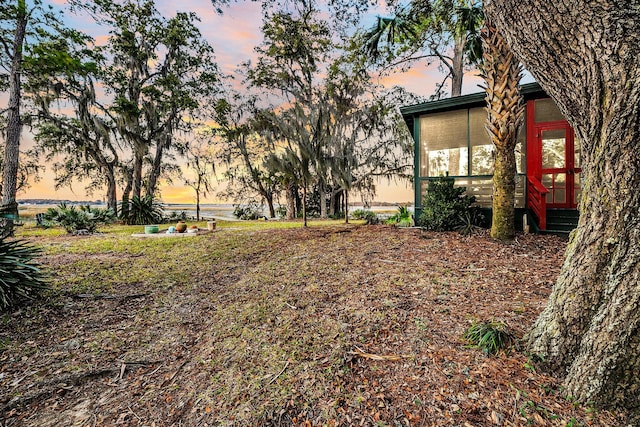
<point x="143" y="211"/>
<point x="402" y="218"/>
<point x="20" y="277"/>
<point x="72" y="219"/>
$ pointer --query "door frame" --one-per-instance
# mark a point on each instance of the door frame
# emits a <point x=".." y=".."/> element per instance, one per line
<point x="534" y="156"/>
<point x="568" y="170"/>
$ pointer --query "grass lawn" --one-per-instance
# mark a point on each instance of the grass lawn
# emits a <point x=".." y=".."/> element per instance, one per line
<point x="270" y="324"/>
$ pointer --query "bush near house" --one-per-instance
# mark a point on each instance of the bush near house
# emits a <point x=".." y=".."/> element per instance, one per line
<point x="444" y="205"/>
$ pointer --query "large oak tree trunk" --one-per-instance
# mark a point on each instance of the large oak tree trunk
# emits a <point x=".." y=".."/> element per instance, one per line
<point x="586" y="56"/>
<point x="505" y="112"/>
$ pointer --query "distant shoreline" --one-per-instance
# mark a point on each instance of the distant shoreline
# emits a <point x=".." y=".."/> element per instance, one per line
<point x="27" y="202"/>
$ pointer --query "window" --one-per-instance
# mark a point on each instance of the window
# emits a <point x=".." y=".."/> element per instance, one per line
<point x="545" y="110"/>
<point x="446" y="141"/>
<point x="481" y="144"/>
<point x="444" y="144"/>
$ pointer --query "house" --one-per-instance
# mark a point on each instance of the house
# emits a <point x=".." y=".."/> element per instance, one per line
<point x="450" y="139"/>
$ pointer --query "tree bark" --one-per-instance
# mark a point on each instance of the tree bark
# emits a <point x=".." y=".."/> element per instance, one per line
<point x="304" y="202"/>
<point x="198" y="203"/>
<point x="270" y="206"/>
<point x="112" y="198"/>
<point x="322" y="189"/>
<point x="138" y="163"/>
<point x="457" y="66"/>
<point x="126" y="193"/>
<point x="156" y="168"/>
<point x="346" y="207"/>
<point x="505" y="112"/>
<point x="587" y="58"/>
<point x="14" y="127"/>
<point x="290" y="196"/>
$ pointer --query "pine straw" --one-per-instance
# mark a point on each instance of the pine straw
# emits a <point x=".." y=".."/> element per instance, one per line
<point x="333" y="326"/>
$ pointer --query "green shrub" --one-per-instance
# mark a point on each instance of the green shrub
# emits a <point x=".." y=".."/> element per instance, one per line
<point x="281" y="211"/>
<point x="444" y="204"/>
<point x="369" y="217"/>
<point x="142" y="211"/>
<point x="402" y="218"/>
<point x="175" y="217"/>
<point x="20" y="277"/>
<point x="489" y="336"/>
<point x="247" y="212"/>
<point x="72" y="219"/>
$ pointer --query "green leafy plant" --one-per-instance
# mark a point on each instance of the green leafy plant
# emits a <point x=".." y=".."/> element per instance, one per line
<point x="84" y="218"/>
<point x="247" y="212"/>
<point x="176" y="216"/>
<point x="369" y="217"/>
<point x="402" y="218"/>
<point x="489" y="336"/>
<point x="142" y="211"/>
<point x="20" y="277"/>
<point x="444" y="204"/>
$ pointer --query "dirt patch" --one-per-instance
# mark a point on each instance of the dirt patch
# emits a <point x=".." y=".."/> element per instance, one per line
<point x="327" y="326"/>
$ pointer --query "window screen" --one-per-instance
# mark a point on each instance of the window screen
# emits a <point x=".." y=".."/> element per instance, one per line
<point x="545" y="110"/>
<point x="443" y="144"/>
<point x="481" y="145"/>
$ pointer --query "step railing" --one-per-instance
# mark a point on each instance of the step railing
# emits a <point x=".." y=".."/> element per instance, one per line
<point x="537" y="200"/>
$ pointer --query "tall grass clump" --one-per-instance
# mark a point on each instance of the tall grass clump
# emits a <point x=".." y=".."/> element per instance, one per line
<point x="489" y="336"/>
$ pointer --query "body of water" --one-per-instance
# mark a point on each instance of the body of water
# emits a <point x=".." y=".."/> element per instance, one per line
<point x="207" y="211"/>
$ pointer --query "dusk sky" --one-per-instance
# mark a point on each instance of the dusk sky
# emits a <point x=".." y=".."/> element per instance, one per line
<point x="233" y="36"/>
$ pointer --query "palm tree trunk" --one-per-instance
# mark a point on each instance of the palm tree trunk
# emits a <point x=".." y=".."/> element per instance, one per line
<point x="502" y="72"/>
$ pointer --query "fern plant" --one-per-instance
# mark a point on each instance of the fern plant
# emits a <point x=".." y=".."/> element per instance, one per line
<point x="489" y="336"/>
<point x="20" y="276"/>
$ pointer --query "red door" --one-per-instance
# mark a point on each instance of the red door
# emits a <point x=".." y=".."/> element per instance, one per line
<point x="560" y="164"/>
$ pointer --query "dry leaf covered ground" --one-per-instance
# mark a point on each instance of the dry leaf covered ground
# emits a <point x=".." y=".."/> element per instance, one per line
<point x="326" y="326"/>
